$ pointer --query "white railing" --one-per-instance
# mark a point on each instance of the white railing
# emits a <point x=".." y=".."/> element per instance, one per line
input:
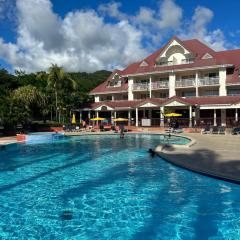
<point x="185" y="83"/>
<point x="160" y="84"/>
<point x="140" y="86"/>
<point x="208" y="81"/>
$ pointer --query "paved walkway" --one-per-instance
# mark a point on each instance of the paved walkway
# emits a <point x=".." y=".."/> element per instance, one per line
<point x="211" y="154"/>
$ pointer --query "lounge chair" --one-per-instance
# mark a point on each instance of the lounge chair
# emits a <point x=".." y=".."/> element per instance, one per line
<point x="178" y="130"/>
<point x="221" y="130"/>
<point x="215" y="130"/>
<point x="236" y="131"/>
<point x="206" y="130"/>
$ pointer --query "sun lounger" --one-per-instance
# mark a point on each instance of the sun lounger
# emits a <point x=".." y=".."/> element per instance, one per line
<point x="206" y="130"/>
<point x="221" y="130"/>
<point x="236" y="131"/>
<point x="215" y="130"/>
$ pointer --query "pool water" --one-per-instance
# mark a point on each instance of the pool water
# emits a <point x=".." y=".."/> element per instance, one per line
<point x="103" y="187"/>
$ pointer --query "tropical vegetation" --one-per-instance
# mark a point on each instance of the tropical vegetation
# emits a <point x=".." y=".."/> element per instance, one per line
<point x="44" y="96"/>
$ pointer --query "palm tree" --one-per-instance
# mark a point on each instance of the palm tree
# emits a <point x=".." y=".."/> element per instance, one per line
<point x="57" y="81"/>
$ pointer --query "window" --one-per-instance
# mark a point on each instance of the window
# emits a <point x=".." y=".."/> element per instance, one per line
<point x="233" y="92"/>
<point x="189" y="94"/>
<point x="230" y="71"/>
<point x="105" y="98"/>
<point x="188" y="77"/>
<point x="211" y="93"/>
<point x="211" y="75"/>
<point x="163" y="95"/>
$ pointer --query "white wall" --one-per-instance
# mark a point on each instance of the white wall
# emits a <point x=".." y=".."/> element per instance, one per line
<point x="222" y="82"/>
<point x="172" y="79"/>
<point x="130" y="93"/>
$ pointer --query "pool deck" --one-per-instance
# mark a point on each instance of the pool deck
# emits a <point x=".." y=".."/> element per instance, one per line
<point x="214" y="155"/>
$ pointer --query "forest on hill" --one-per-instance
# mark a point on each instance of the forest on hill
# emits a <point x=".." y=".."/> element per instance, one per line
<point x="44" y="96"/>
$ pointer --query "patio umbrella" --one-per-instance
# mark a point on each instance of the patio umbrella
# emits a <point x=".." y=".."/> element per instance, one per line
<point x="173" y="115"/>
<point x="97" y="119"/>
<point x="73" y="119"/>
<point x="120" y="120"/>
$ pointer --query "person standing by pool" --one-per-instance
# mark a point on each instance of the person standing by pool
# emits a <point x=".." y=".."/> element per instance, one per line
<point x="121" y="130"/>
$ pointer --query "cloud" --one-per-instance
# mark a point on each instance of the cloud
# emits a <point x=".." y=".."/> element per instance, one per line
<point x="85" y="40"/>
<point x="81" y="41"/>
<point x="198" y="28"/>
<point x="170" y="14"/>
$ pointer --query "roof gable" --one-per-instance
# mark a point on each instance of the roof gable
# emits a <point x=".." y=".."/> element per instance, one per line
<point x="174" y="42"/>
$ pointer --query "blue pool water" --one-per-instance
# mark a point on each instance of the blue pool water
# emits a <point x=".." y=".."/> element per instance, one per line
<point x="103" y="187"/>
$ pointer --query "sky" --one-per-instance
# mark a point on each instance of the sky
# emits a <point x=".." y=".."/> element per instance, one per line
<point x="90" y="35"/>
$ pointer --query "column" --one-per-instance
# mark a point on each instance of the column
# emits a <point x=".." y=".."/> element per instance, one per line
<point x="222" y="82"/>
<point x="172" y="81"/>
<point x="162" y="116"/>
<point x="89" y="114"/>
<point x="236" y="115"/>
<point x="150" y="87"/>
<point x="129" y="117"/>
<point x="130" y="92"/>
<point x="214" y="118"/>
<point x="96" y="99"/>
<point x="196" y="84"/>
<point x="112" y="117"/>
<point x="97" y="115"/>
<point x="113" y="98"/>
<point x="223" y="117"/>
<point x="190" y="116"/>
<point x="197" y="115"/>
<point x="136" y="117"/>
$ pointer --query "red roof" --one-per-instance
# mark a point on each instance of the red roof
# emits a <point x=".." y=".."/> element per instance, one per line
<point x="103" y="87"/>
<point x="199" y="49"/>
<point x="195" y="101"/>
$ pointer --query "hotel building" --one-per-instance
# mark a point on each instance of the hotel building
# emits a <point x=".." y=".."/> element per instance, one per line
<point x="186" y="77"/>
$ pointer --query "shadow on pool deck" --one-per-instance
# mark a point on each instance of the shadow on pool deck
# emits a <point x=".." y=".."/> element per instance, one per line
<point x="204" y="161"/>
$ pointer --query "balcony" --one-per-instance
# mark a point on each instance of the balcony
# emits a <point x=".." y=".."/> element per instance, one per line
<point x="140" y="86"/>
<point x="185" y="83"/>
<point x="208" y="81"/>
<point x="160" y="84"/>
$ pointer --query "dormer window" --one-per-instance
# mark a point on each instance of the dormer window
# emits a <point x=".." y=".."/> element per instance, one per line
<point x="143" y="64"/>
<point x="174" y="54"/>
<point x="207" y="56"/>
<point x="115" y="82"/>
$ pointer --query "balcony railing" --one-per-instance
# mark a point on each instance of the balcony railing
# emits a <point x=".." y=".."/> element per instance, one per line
<point x="208" y="81"/>
<point x="140" y="86"/>
<point x="160" y="84"/>
<point x="185" y="83"/>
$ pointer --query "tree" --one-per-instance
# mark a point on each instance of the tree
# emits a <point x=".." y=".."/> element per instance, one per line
<point x="26" y="100"/>
<point x="58" y="80"/>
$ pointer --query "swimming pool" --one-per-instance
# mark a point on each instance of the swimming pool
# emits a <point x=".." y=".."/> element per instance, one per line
<point x="103" y="187"/>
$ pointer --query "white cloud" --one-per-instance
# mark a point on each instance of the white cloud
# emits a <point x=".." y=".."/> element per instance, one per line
<point x="81" y="41"/>
<point x="85" y="41"/>
<point x="198" y="28"/>
<point x="170" y="14"/>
